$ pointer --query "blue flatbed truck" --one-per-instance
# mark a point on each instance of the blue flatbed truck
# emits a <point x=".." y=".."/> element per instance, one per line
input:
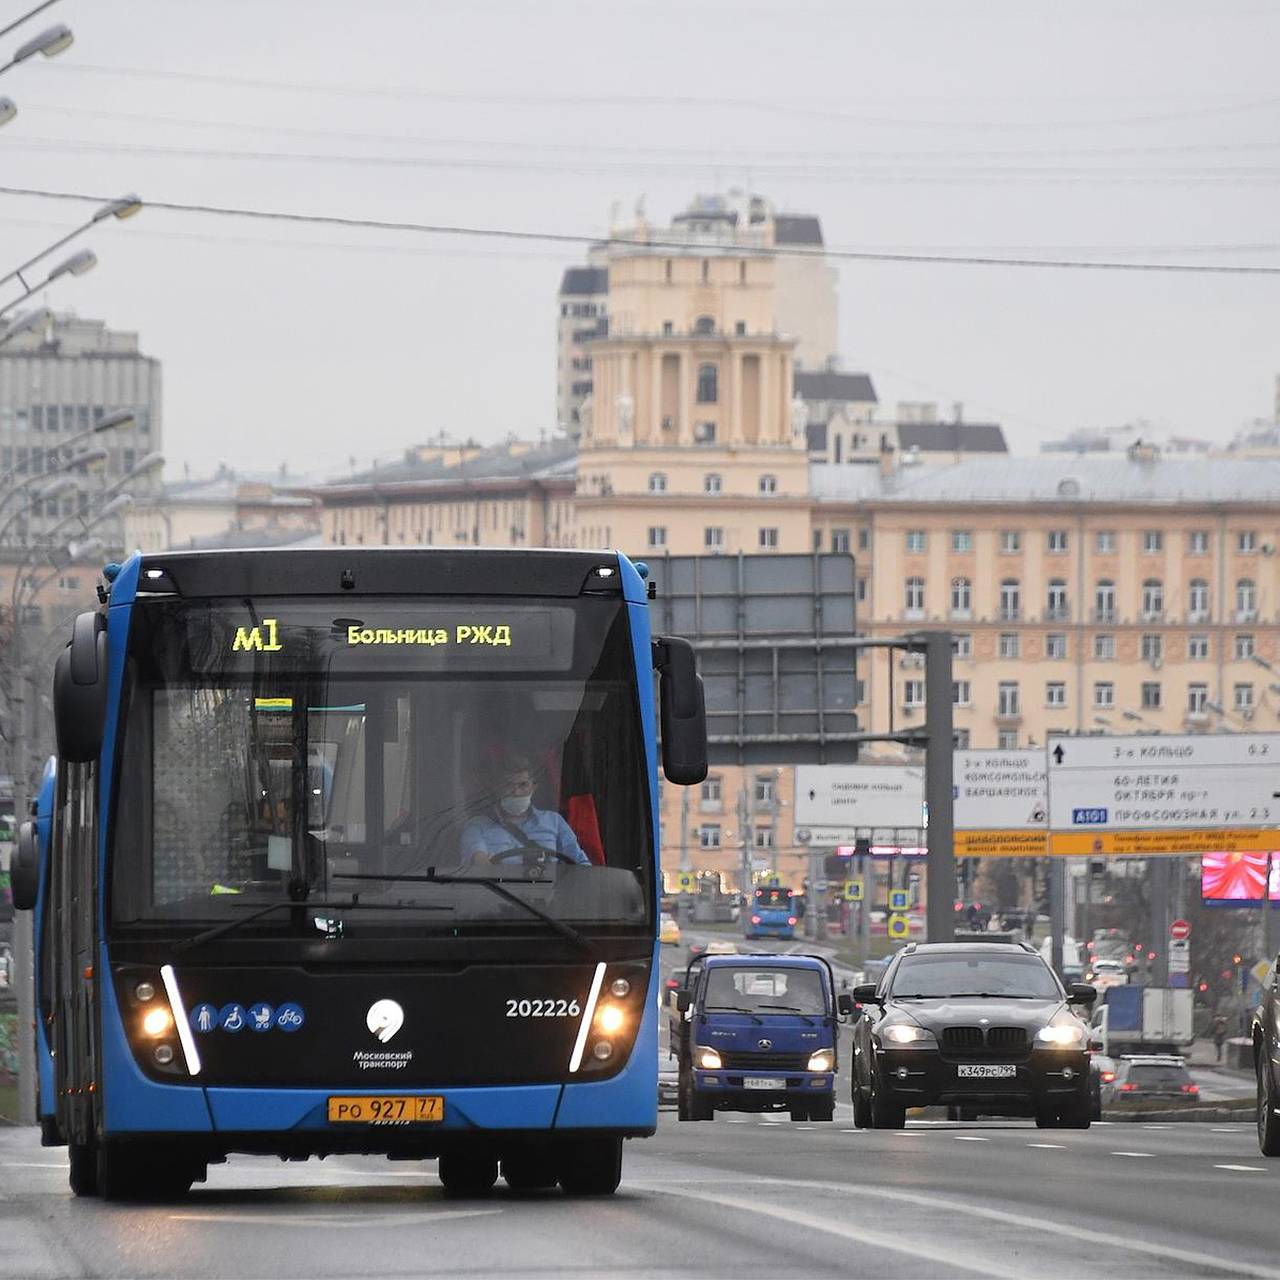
<point x="760" y="1034"/>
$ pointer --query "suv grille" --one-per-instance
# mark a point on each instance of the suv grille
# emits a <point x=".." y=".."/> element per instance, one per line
<point x="745" y="1060"/>
<point x="962" y="1039"/>
<point x="1010" y="1038"/>
<point x="975" y="1042"/>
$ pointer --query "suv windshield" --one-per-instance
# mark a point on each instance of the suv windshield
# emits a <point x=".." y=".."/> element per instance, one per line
<point x="948" y="974"/>
<point x="765" y="990"/>
<point x="316" y="749"/>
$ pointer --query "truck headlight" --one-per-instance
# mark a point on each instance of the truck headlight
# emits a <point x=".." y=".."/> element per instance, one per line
<point x="907" y="1033"/>
<point x="709" y="1060"/>
<point x="1062" y="1036"/>
<point x="823" y="1060"/>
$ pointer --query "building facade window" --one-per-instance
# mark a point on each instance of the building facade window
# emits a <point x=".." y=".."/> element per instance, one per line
<point x="768" y="484"/>
<point x="768" y="539"/>
<point x="1243" y="697"/>
<point x="657" y="536"/>
<point x="961" y="645"/>
<point x="713" y="538"/>
<point x="1104" y="647"/>
<point x="1105" y="542"/>
<point x="764" y="837"/>
<point x="1152" y="648"/>
<point x="1056" y="542"/>
<point x="1197" y="647"/>
<point x="1055" y="694"/>
<point x="961" y="597"/>
<point x="765" y="790"/>
<point x="1057" y="609"/>
<point x="960" y="693"/>
<point x="1197" y="699"/>
<point x="1151" y="695"/>
<point x="1007" y="701"/>
<point x="1198" y="600"/>
<point x="1010" y="600"/>
<point x="711" y="795"/>
<point x="961" y="540"/>
<point x="1104" y="601"/>
<point x="1246" y="600"/>
<point x="917" y="541"/>
<point x="913" y="597"/>
<point x="1198" y="542"/>
<point x="913" y="693"/>
<point x="840" y="541"/>
<point x="960" y="739"/>
<point x="1246" y="542"/>
<point x="1152" y="541"/>
<point x="1104" y="695"/>
<point x="1055" y="645"/>
<point x="1152" y="600"/>
<point x="1244" y="648"/>
<point x="1007" y="740"/>
<point x="657" y="482"/>
<point x="712" y="482"/>
<point x="1009" y="646"/>
<point x="709" y="835"/>
<point x="1010" y="541"/>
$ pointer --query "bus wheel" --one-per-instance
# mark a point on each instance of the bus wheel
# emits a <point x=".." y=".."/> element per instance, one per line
<point x="140" y="1173"/>
<point x="592" y="1167"/>
<point x="468" y="1173"/>
<point x="84" y="1168"/>
<point x="532" y="1169"/>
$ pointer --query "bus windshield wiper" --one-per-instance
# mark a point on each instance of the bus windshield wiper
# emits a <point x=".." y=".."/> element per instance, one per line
<point x="788" y="1008"/>
<point x="732" y="1008"/>
<point x="494" y="885"/>
<point x="220" y="930"/>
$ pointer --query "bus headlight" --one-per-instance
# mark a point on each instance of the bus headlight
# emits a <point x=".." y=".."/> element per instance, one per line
<point x="822" y="1060"/>
<point x="158" y="1022"/>
<point x="709" y="1060"/>
<point x="610" y="1019"/>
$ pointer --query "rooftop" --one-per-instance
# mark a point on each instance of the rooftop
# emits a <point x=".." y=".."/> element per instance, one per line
<point x="952" y="437"/>
<point x="510" y="460"/>
<point x="1065" y="480"/>
<point x="829" y="384"/>
<point x="584" y="280"/>
<point x="797" y="228"/>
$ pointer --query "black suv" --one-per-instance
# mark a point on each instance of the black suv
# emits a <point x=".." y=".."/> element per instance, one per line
<point x="1266" y="1065"/>
<point x="982" y="1028"/>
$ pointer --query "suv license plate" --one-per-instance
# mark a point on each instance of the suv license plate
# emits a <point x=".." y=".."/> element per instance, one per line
<point x="386" y="1108"/>
<point x="986" y="1070"/>
<point x="763" y="1082"/>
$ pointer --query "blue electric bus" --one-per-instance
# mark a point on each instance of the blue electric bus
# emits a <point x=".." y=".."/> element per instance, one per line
<point x="773" y="912"/>
<point x="355" y="850"/>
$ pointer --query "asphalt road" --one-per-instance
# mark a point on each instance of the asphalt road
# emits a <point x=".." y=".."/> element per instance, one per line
<point x="743" y="1196"/>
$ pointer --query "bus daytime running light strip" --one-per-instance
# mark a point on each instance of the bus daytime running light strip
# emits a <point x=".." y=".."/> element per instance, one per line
<point x="587" y="1015"/>
<point x="180" y="1017"/>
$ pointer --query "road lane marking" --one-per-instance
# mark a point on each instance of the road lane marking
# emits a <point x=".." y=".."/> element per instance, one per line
<point x="341" y="1220"/>
<point x="853" y="1131"/>
<point x="858" y="1235"/>
<point x="1136" y="1155"/>
<point x="30" y="1164"/>
<point x="1189" y="1259"/>
<point x="969" y="1137"/>
<point x="1241" y="1168"/>
<point x="1239" y="1128"/>
<point x="1157" y="1126"/>
<point x="1048" y="1146"/>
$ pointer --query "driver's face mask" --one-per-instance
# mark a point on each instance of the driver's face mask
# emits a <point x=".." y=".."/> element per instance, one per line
<point x="515" y="806"/>
<point x="517" y="795"/>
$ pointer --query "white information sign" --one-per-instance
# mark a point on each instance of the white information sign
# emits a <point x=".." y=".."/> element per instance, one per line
<point x="835" y="801"/>
<point x="1001" y="807"/>
<point x="1159" y="794"/>
<point x="1179" y="955"/>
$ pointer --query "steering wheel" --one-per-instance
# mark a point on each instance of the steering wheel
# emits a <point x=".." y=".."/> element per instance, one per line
<point x="532" y="856"/>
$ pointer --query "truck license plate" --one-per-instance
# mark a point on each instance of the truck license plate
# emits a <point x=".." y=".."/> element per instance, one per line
<point x="986" y="1070"/>
<point x="386" y="1109"/>
<point x="763" y="1082"/>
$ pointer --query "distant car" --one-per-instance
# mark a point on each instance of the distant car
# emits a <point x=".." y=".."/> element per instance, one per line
<point x="669" y="931"/>
<point x="1107" y="973"/>
<point x="1102" y="1071"/>
<point x="981" y="1028"/>
<point x="1150" y="1078"/>
<point x="668" y="1082"/>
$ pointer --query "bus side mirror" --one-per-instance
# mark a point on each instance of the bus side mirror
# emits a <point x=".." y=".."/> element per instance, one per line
<point x="683" y="999"/>
<point x="845" y="1005"/>
<point x="80" y="690"/>
<point x="682" y="712"/>
<point x="24" y="868"/>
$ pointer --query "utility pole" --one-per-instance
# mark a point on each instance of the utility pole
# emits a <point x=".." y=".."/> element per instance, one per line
<point x="23" y="924"/>
<point x="1159" y="883"/>
<point x="938" y="788"/>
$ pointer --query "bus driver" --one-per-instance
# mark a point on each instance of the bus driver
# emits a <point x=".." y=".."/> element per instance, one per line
<point x="511" y="826"/>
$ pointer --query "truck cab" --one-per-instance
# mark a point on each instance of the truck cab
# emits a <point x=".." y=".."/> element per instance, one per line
<point x="759" y="1033"/>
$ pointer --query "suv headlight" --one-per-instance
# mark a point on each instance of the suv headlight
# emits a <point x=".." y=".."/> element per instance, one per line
<point x="822" y="1060"/>
<point x="1062" y="1035"/>
<point x="907" y="1034"/>
<point x="709" y="1060"/>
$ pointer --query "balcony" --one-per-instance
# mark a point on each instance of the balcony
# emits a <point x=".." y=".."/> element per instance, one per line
<point x="1246" y="615"/>
<point x="1009" y="715"/>
<point x="1153" y="615"/>
<point x="1057" y="613"/>
<point x="913" y="615"/>
<point x="1107" y="616"/>
<point x="1009" y="615"/>
<point x="962" y="615"/>
<point x="1197" y="615"/>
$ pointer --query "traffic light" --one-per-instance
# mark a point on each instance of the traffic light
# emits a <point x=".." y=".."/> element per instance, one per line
<point x="862" y="847"/>
<point x="835" y="866"/>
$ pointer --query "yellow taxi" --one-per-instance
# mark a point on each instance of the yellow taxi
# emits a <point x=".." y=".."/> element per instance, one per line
<point x="668" y="930"/>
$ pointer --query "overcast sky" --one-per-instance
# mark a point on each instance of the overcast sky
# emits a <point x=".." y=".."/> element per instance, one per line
<point x="1121" y="130"/>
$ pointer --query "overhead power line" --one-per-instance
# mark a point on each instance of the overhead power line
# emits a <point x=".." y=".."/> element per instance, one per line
<point x="658" y="243"/>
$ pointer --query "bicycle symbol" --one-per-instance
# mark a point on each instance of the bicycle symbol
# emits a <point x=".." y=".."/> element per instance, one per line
<point x="289" y="1017"/>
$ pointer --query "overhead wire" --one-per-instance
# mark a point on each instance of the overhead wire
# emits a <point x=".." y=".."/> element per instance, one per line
<point x="519" y="235"/>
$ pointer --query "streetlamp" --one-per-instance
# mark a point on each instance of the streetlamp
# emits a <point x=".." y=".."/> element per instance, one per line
<point x="76" y="265"/>
<point x="8" y="109"/>
<point x="26" y="17"/>
<point x="50" y="42"/>
<point x="24" y="323"/>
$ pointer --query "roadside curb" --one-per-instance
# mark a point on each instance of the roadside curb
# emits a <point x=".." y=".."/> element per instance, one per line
<point x="1233" y="1110"/>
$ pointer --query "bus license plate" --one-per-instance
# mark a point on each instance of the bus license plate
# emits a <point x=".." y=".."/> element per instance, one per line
<point x="763" y="1082"/>
<point x="987" y="1070"/>
<point x="386" y="1109"/>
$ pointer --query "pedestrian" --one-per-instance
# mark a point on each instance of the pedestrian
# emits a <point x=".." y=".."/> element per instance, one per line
<point x="1219" y="1034"/>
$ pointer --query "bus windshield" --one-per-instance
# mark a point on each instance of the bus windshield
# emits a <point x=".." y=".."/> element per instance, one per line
<point x="316" y="749"/>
